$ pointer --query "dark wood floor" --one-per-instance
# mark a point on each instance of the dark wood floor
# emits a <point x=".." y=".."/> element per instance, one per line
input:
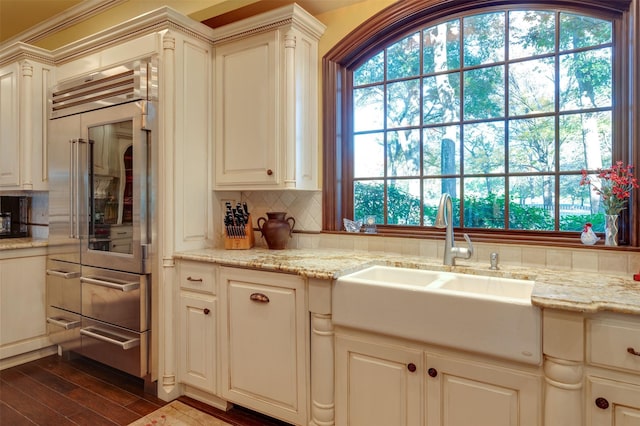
<point x="56" y="391"/>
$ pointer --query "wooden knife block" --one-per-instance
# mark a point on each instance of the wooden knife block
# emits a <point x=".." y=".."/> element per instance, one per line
<point x="240" y="243"/>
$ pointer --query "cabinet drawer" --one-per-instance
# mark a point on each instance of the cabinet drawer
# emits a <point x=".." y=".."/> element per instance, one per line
<point x="614" y="343"/>
<point x="197" y="276"/>
<point x="121" y="231"/>
<point x="120" y="245"/>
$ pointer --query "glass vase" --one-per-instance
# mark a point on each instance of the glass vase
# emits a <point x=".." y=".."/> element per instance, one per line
<point x="610" y="229"/>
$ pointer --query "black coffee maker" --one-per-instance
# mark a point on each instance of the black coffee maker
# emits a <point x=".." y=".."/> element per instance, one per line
<point x="14" y="216"/>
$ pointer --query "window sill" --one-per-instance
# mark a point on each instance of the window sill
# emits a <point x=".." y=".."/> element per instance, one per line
<point x="565" y="240"/>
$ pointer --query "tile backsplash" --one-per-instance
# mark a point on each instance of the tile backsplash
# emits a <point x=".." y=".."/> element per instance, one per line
<point x="306" y="208"/>
<point x="564" y="259"/>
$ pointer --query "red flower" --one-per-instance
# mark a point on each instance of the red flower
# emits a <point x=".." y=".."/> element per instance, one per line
<point x="616" y="184"/>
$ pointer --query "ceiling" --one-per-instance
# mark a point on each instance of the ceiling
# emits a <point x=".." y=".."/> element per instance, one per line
<point x="17" y="16"/>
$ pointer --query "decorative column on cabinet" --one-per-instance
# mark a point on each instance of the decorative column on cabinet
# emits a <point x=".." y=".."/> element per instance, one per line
<point x="167" y="342"/>
<point x="26" y="125"/>
<point x="563" y="347"/>
<point x="290" y="111"/>
<point x="322" y="354"/>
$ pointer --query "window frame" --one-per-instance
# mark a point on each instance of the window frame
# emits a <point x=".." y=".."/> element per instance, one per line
<point x="401" y="18"/>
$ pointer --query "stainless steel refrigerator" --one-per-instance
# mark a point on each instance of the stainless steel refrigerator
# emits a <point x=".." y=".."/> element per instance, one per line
<point x="101" y="177"/>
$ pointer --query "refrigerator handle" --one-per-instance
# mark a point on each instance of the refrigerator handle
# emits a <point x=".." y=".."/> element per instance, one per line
<point x="80" y="197"/>
<point x="72" y="187"/>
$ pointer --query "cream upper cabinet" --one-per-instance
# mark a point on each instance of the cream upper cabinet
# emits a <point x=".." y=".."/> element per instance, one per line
<point x="266" y="102"/>
<point x="25" y="75"/>
<point x="264" y="341"/>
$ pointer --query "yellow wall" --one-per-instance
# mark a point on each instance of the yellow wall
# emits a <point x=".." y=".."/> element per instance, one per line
<point x="339" y="22"/>
<point x="196" y="9"/>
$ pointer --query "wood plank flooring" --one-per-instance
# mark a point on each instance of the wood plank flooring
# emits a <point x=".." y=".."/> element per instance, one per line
<point x="57" y="391"/>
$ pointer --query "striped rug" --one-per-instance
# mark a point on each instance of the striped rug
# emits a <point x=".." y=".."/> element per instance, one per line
<point x="178" y="414"/>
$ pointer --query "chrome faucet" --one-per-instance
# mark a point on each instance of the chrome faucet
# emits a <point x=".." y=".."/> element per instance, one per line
<point x="444" y="219"/>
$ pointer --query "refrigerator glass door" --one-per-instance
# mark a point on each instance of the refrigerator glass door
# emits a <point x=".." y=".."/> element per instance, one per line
<point x="114" y="226"/>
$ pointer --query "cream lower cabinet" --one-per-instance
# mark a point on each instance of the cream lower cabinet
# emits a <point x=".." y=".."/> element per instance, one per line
<point x="592" y="369"/>
<point x="264" y="336"/>
<point x="613" y="371"/>
<point x="198" y="303"/>
<point x="197" y="341"/>
<point x="23" y="326"/>
<point x="398" y="383"/>
<point x="612" y="403"/>
<point x="378" y="384"/>
<point x="463" y="392"/>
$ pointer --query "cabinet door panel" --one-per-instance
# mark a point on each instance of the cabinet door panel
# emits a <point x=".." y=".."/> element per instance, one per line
<point x="246" y="118"/>
<point x="265" y="333"/>
<point x="626" y="416"/>
<point x="483" y="403"/>
<point x="461" y="393"/>
<point x="622" y="400"/>
<point x="260" y="334"/>
<point x="9" y="143"/>
<point x="22" y="299"/>
<point x="197" y="346"/>
<point x="375" y="384"/>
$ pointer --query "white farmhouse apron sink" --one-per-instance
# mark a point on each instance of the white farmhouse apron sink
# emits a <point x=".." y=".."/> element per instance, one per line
<point x="488" y="315"/>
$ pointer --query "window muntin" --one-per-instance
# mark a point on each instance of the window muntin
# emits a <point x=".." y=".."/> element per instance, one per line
<point x="517" y="114"/>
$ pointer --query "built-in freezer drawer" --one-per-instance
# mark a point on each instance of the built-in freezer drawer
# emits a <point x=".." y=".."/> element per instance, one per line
<point x="63" y="285"/>
<point x="114" y="346"/>
<point x="63" y="328"/>
<point x="116" y="298"/>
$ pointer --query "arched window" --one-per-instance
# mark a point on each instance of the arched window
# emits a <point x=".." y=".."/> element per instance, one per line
<point x="500" y="105"/>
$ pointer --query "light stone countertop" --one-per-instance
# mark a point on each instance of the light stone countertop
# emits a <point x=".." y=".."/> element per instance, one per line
<point x="565" y="290"/>
<point x="21" y="243"/>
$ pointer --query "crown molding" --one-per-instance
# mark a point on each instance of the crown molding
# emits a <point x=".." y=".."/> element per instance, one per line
<point x="292" y="14"/>
<point x="21" y="51"/>
<point x="66" y="19"/>
<point x="163" y="18"/>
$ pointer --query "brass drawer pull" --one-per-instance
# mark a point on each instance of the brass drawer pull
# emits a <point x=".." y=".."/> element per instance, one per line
<point x="195" y="280"/>
<point x="633" y="352"/>
<point x="259" y="297"/>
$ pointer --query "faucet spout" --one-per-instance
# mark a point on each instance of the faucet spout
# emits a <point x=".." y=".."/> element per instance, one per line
<point x="444" y="219"/>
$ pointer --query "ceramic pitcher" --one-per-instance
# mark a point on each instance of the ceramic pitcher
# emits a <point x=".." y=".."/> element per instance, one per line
<point x="276" y="230"/>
